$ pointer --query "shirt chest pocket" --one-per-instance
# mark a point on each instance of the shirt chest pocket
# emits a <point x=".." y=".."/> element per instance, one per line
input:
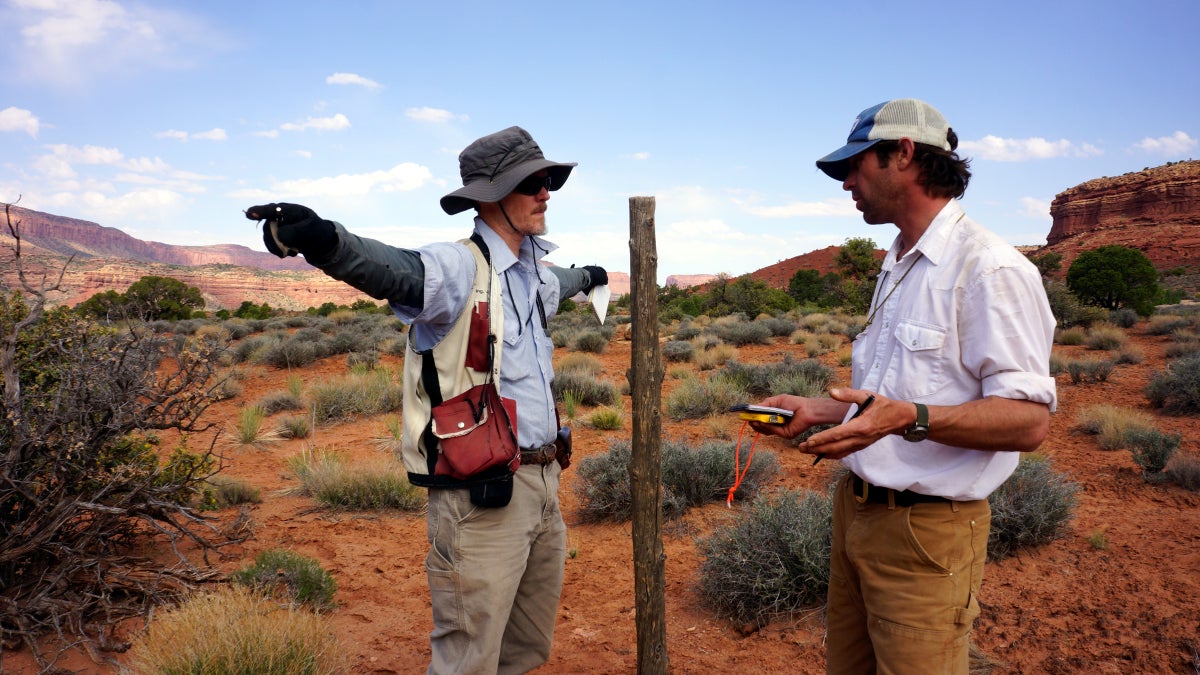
<point x="918" y="362"/>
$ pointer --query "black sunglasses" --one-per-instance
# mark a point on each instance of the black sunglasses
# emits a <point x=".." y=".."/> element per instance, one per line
<point x="533" y="185"/>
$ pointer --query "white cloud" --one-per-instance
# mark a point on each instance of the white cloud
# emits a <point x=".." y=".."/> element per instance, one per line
<point x="270" y="133"/>
<point x="436" y="115"/>
<point x="1022" y="149"/>
<point x="335" y="123"/>
<point x="351" y="78"/>
<point x="88" y="154"/>
<point x="217" y="134"/>
<point x="399" y="178"/>
<point x="19" y="119"/>
<point x="304" y="153"/>
<point x="828" y="207"/>
<point x="1176" y="144"/>
<point x="73" y="42"/>
<point x="1035" y="208"/>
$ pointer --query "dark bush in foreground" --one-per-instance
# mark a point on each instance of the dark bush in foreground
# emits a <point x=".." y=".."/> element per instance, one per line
<point x="773" y="561"/>
<point x="1031" y="508"/>
<point x="690" y="477"/>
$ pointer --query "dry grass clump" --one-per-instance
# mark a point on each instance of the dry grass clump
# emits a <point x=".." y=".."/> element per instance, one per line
<point x="1184" y="470"/>
<point x="577" y="362"/>
<point x="1111" y="424"/>
<point x="710" y="357"/>
<point x="229" y="491"/>
<point x="235" y="630"/>
<point x="249" y="431"/>
<point x="382" y="484"/>
<point x="696" y="398"/>
<point x="607" y="418"/>
<point x="357" y="393"/>
<point x="1105" y="336"/>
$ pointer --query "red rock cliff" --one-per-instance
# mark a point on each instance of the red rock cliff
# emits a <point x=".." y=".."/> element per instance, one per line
<point x="1165" y="195"/>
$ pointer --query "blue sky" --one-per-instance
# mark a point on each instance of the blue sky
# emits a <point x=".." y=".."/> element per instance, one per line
<point x="166" y="119"/>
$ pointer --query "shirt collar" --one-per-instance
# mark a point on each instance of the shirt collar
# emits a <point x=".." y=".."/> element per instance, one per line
<point x="936" y="238"/>
<point x="502" y="256"/>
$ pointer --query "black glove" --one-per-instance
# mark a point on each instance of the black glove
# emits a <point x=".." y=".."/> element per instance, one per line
<point x="292" y="228"/>
<point x="597" y="275"/>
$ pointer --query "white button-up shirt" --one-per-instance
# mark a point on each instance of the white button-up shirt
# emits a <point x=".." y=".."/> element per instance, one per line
<point x="962" y="316"/>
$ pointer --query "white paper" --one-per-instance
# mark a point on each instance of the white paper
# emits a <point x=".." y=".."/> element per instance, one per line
<point x="599" y="297"/>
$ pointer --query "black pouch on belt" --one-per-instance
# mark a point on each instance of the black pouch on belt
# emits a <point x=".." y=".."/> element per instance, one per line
<point x="492" y="493"/>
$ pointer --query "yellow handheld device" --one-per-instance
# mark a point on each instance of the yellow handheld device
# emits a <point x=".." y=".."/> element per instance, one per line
<point x="762" y="413"/>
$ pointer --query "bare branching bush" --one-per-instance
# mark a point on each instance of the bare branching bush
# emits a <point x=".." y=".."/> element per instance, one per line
<point x="1031" y="508"/>
<point x="771" y="562"/>
<point x="82" y="486"/>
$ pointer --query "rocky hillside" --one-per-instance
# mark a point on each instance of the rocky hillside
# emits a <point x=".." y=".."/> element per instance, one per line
<point x="1156" y="210"/>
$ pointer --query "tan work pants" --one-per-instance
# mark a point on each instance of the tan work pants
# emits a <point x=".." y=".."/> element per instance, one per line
<point x="495" y="576"/>
<point x="903" y="585"/>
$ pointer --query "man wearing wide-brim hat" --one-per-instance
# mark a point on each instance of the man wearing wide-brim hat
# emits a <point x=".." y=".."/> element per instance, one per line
<point x="478" y="310"/>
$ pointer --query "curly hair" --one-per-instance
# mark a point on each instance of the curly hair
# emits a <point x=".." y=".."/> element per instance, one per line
<point x="943" y="173"/>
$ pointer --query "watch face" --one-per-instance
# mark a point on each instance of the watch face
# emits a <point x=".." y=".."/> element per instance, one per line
<point x="916" y="433"/>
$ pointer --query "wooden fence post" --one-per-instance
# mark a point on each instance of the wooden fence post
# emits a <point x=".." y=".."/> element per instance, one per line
<point x="645" y="464"/>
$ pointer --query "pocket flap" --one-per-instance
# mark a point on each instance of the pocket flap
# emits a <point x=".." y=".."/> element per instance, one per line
<point x="919" y="337"/>
<point x="457" y="418"/>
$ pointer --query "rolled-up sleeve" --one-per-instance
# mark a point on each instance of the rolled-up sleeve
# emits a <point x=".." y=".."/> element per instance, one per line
<point x="1008" y="339"/>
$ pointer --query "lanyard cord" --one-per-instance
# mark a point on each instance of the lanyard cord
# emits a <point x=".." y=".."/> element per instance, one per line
<point x="738" y="472"/>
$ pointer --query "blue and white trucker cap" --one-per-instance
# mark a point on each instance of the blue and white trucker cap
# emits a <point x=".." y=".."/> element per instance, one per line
<point x="888" y="121"/>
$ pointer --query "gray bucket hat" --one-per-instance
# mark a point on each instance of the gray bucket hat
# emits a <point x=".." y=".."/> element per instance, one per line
<point x="493" y="165"/>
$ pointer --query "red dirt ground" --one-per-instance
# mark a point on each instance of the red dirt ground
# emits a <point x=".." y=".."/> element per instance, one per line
<point x="1067" y="607"/>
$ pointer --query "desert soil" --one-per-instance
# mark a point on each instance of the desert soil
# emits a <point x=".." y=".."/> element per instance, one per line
<point x="1067" y="607"/>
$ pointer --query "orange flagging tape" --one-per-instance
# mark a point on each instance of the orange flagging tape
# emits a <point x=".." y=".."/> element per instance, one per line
<point x="738" y="472"/>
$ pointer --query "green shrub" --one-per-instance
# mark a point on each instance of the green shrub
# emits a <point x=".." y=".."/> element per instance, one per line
<point x="1152" y="449"/>
<point x="690" y="477"/>
<point x="696" y="398"/>
<point x="237" y="630"/>
<point x="1177" y="390"/>
<point x="299" y="578"/>
<point x="294" y="426"/>
<point x="278" y="401"/>
<point x="1123" y="317"/>
<point x="586" y="389"/>
<point x="807" y="377"/>
<point x="607" y="419"/>
<point x="249" y="430"/>
<point x="1095" y="370"/>
<point x="233" y="491"/>
<point x="741" y="333"/>
<point x="676" y="351"/>
<point x="1031" y="508"/>
<point x="591" y="341"/>
<point x="773" y="561"/>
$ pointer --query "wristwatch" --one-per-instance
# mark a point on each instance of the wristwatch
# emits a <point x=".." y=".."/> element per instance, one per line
<point x="919" y="430"/>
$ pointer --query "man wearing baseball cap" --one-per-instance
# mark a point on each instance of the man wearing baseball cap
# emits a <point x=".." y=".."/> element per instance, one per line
<point x="477" y="307"/>
<point x="950" y="383"/>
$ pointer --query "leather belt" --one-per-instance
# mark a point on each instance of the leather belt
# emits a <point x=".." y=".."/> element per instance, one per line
<point x="539" y="456"/>
<point x="874" y="494"/>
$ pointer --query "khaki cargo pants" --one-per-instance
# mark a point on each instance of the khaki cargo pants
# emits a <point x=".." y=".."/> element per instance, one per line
<point x="495" y="576"/>
<point x="903" y="585"/>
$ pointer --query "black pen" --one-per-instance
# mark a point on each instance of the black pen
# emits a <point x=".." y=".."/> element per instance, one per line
<point x="861" y="408"/>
